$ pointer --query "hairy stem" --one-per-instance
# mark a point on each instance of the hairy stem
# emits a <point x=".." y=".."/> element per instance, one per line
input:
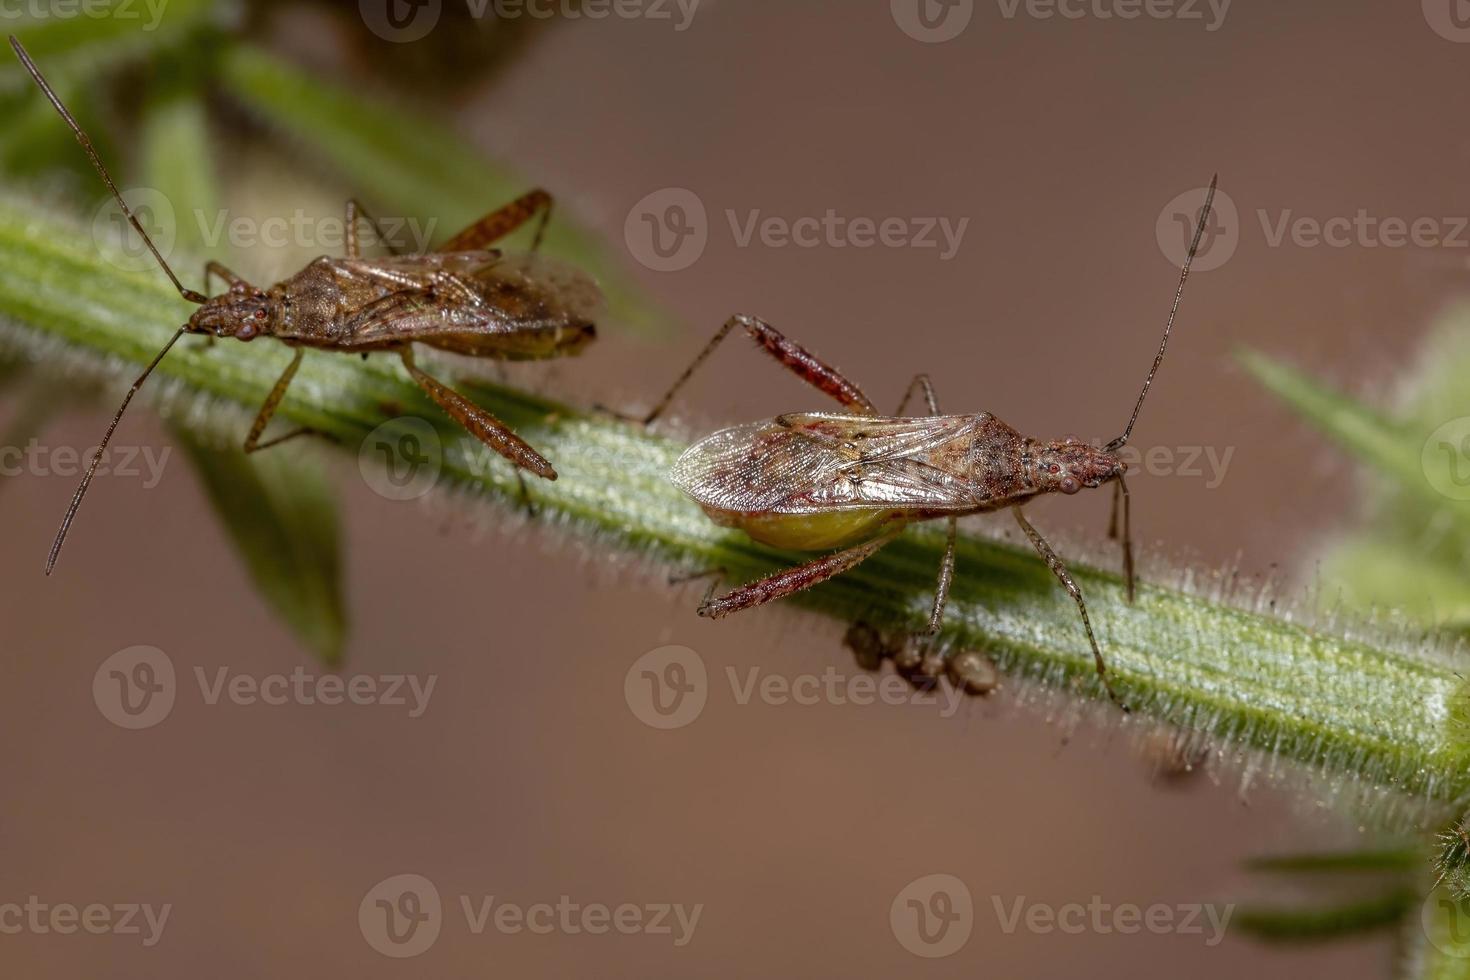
<point x="1358" y="708"/>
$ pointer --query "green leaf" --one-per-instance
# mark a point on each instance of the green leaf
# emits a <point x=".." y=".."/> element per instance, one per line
<point x="281" y="513"/>
<point x="86" y="45"/>
<point x="1359" y="708"/>
<point x="1318" y="924"/>
<point x="405" y="162"/>
<point x="1406" y="859"/>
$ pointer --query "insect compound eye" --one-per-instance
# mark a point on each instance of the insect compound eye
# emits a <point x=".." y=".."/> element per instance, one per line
<point x="246" y="331"/>
<point x="1069" y="484"/>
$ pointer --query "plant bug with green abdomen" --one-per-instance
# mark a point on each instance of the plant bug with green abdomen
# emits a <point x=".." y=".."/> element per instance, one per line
<point x="465" y="298"/>
<point x="852" y="481"/>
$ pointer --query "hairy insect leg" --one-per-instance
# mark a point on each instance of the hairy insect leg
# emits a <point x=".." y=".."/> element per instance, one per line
<point x="1065" y="577"/>
<point x="354" y="248"/>
<point x="478" y="422"/>
<point x="268" y="410"/>
<point x="499" y="223"/>
<point x="790" y="354"/>
<point x="1120" y="495"/>
<point x="213" y="268"/>
<point x="792" y="580"/>
<point x="922" y="382"/>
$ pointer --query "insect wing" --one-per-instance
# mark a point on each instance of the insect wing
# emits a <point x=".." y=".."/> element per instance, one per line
<point x="482" y="293"/>
<point x="811" y="463"/>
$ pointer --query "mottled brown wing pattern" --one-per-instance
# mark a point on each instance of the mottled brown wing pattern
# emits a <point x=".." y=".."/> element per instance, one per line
<point x="508" y="294"/>
<point x="817" y="462"/>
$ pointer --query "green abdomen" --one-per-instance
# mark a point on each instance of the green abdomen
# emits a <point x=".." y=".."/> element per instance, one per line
<point x="807" y="532"/>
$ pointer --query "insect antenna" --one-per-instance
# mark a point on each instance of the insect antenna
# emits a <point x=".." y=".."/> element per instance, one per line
<point x="188" y="294"/>
<point x="76" y="498"/>
<point x="35" y="73"/>
<point x="1199" y="231"/>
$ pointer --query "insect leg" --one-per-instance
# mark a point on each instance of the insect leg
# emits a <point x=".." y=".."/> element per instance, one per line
<point x="354" y="250"/>
<point x="946" y="578"/>
<point x="792" y="580"/>
<point x="1065" y="577"/>
<point x="1120" y="494"/>
<point x="793" y="356"/>
<point x="499" y="223"/>
<point x="212" y="269"/>
<point x="268" y="410"/>
<point x="920" y="381"/>
<point x="946" y="566"/>
<point x="478" y="422"/>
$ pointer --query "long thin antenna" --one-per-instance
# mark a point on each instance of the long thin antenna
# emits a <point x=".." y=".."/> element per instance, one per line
<point x="76" y="498"/>
<point x="1199" y="231"/>
<point x="30" y="66"/>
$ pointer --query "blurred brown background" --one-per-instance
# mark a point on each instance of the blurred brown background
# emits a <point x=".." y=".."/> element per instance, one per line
<point x="528" y="777"/>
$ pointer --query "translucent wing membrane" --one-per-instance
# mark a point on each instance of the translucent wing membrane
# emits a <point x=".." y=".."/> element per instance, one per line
<point x="801" y="464"/>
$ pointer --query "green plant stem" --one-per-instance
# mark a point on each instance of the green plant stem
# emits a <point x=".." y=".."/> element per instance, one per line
<point x="1354" y="708"/>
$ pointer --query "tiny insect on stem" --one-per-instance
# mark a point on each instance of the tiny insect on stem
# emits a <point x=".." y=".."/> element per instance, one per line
<point x="848" y="483"/>
<point x="466" y="298"/>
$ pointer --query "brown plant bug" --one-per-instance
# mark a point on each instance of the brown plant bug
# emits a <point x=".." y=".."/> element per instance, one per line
<point x="852" y="481"/>
<point x="465" y="298"/>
